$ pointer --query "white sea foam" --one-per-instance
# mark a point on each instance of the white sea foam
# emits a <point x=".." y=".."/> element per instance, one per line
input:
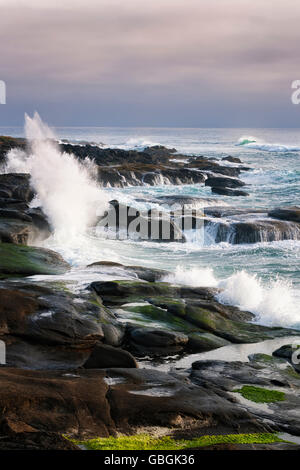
<point x="138" y="143"/>
<point x="65" y="187"/>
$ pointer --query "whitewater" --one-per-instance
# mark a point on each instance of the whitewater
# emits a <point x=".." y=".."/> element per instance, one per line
<point x="263" y="278"/>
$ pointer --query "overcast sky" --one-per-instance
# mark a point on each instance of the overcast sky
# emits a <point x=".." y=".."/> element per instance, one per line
<point x="190" y="63"/>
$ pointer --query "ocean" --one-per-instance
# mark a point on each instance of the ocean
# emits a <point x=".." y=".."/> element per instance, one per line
<point x="263" y="278"/>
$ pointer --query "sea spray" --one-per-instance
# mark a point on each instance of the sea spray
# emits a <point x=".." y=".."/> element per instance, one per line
<point x="64" y="186"/>
<point x="274" y="303"/>
<point x="193" y="277"/>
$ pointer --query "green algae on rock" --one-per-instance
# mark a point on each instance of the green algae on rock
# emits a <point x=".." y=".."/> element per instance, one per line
<point x="28" y="260"/>
<point x="148" y="442"/>
<point x="260" y="395"/>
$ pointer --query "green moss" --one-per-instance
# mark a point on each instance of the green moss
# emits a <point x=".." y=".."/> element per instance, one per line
<point x="260" y="395"/>
<point x="148" y="315"/>
<point x="29" y="260"/>
<point x="147" y="442"/>
<point x="292" y="372"/>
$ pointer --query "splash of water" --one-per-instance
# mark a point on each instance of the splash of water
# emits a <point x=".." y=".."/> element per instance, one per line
<point x="64" y="186"/>
<point x="274" y="303"/>
<point x="193" y="277"/>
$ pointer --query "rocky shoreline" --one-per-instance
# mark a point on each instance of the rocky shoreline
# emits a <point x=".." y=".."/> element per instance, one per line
<point x="82" y="362"/>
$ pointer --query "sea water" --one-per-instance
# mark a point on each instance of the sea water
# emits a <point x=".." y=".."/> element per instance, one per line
<point x="263" y="278"/>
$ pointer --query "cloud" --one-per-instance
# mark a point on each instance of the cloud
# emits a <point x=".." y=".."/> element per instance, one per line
<point x="156" y="51"/>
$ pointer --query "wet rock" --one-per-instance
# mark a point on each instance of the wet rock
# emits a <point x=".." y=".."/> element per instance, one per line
<point x="18" y="223"/>
<point x="203" y="341"/>
<point x="8" y="143"/>
<point x="157" y="341"/>
<point x="89" y="403"/>
<point x="17" y="186"/>
<point x="229" y="192"/>
<point x="28" y="260"/>
<point x="43" y="316"/>
<point x="263" y="371"/>
<point x="145" y="274"/>
<point x="127" y="222"/>
<point x="119" y="292"/>
<point x="56" y="401"/>
<point x="203" y="164"/>
<point x="105" y="356"/>
<point x="232" y="159"/>
<point x="223" y="182"/>
<point x="291" y="352"/>
<point x="251" y="231"/>
<point x="186" y="201"/>
<point x="286" y="213"/>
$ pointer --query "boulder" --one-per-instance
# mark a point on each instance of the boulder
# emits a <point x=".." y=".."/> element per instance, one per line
<point x="18" y="260"/>
<point x="43" y="316"/>
<point x="223" y="182"/>
<point x="157" y="341"/>
<point x="105" y="356"/>
<point x="203" y="341"/>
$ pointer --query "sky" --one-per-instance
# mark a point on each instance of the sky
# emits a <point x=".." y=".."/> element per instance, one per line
<point x="158" y="63"/>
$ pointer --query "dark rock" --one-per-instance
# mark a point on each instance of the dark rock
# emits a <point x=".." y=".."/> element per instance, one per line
<point x="145" y="274"/>
<point x="18" y="223"/>
<point x="17" y="185"/>
<point x="232" y="159"/>
<point x="252" y="231"/>
<point x="291" y="352"/>
<point x="151" y="225"/>
<point x="104" y="356"/>
<point x="89" y="403"/>
<point x="157" y="341"/>
<point x="8" y="143"/>
<point x="43" y="316"/>
<point x="28" y="261"/>
<point x="261" y="371"/>
<point x="229" y="192"/>
<point x="203" y="341"/>
<point x="222" y="182"/>
<point x="203" y="164"/>
<point x="286" y="213"/>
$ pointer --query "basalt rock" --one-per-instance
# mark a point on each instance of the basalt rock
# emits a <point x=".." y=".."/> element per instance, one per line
<point x="223" y="182"/>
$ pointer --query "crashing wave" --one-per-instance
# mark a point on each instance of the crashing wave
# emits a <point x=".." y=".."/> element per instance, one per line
<point x="256" y="144"/>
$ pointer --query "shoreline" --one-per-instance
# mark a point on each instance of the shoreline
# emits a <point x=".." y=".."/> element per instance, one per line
<point x="90" y="341"/>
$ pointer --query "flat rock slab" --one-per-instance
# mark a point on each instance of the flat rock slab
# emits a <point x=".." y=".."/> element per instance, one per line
<point x="89" y="403"/>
